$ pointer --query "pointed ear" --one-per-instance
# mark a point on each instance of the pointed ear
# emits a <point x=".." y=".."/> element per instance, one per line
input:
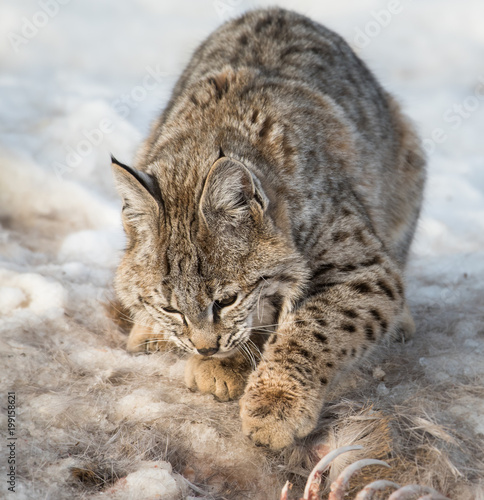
<point x="139" y="191"/>
<point x="231" y="194"/>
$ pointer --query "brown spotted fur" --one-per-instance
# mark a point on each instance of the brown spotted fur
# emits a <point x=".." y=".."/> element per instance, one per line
<point x="280" y="174"/>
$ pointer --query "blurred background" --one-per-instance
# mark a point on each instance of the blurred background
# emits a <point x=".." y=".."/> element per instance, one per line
<point x="82" y="79"/>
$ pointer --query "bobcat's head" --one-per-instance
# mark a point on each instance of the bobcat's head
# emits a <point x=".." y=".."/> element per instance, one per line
<point x="202" y="253"/>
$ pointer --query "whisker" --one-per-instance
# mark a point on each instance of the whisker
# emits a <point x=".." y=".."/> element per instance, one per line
<point x="146" y="343"/>
<point x="263" y="326"/>
<point x="259" y="314"/>
<point x="244" y="354"/>
<point x="263" y="331"/>
<point x="121" y="313"/>
<point x="250" y="356"/>
<point x="241" y="349"/>
<point x="254" y="361"/>
<point x="127" y="318"/>
<point x="257" y="350"/>
<point x="284" y="323"/>
<point x="143" y="325"/>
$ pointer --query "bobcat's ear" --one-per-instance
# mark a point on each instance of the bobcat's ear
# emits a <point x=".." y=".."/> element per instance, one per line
<point x="231" y="194"/>
<point x="139" y="190"/>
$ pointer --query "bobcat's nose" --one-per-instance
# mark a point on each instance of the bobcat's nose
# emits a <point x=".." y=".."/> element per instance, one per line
<point x="207" y="352"/>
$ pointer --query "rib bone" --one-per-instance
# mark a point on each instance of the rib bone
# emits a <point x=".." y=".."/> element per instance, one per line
<point x="312" y="486"/>
<point x="414" y="489"/>
<point x="368" y="491"/>
<point x="338" y="488"/>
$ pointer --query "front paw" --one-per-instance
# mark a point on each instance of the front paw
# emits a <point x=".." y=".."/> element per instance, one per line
<point x="275" y="410"/>
<point x="224" y="378"/>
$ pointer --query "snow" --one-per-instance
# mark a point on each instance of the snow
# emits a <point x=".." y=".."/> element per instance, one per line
<point x="10" y="299"/>
<point x="81" y="80"/>
<point x="154" y="483"/>
<point x="94" y="247"/>
<point x="30" y="291"/>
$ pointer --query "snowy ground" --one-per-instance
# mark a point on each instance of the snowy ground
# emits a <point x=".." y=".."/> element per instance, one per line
<point x="81" y="79"/>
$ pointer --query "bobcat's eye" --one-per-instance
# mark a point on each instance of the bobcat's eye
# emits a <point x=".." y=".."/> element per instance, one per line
<point x="228" y="301"/>
<point x="171" y="310"/>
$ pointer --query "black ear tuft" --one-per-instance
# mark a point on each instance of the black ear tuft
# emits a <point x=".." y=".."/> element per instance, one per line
<point x="146" y="180"/>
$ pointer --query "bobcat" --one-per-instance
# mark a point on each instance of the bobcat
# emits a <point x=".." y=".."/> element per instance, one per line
<point x="269" y="218"/>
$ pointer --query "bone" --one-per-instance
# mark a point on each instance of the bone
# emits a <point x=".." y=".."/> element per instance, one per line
<point x="338" y="488"/>
<point x="285" y="490"/>
<point x="413" y="489"/>
<point x="312" y="486"/>
<point x="369" y="490"/>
